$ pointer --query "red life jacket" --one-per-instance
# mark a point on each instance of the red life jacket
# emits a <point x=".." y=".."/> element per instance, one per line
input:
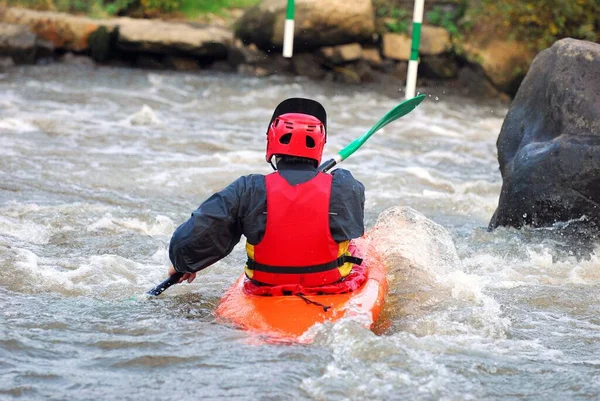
<point x="297" y="247"/>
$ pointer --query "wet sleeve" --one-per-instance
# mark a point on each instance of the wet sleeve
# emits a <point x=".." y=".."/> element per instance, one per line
<point x="211" y="232"/>
<point x="346" y="206"/>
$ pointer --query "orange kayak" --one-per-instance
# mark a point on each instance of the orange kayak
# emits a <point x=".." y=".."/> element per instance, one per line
<point x="286" y="318"/>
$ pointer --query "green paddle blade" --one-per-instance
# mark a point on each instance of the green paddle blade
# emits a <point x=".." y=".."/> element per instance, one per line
<point x="401" y="110"/>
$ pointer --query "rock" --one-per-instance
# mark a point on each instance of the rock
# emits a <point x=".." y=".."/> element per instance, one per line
<point x="280" y="64"/>
<point x="179" y="63"/>
<point x="159" y="37"/>
<point x="224" y="66"/>
<point x="149" y="61"/>
<point x="353" y="73"/>
<point x="387" y="66"/>
<point x="318" y="24"/>
<point x="18" y="42"/>
<point x="65" y="31"/>
<point x="475" y="83"/>
<point x="308" y="65"/>
<point x="346" y="74"/>
<point x="438" y="67"/>
<point x="549" y="145"/>
<point x="372" y="56"/>
<point x="6" y="63"/>
<point x="400" y="71"/>
<point x="243" y="69"/>
<point x="44" y="49"/>
<point x="254" y="71"/>
<point x="246" y="55"/>
<point x="434" y="41"/>
<point x="342" y="54"/>
<point x="363" y="69"/>
<point x="396" y="46"/>
<point x="261" y="72"/>
<point x="504" y="61"/>
<point x="81" y="61"/>
<point x="100" y="38"/>
<point x="101" y="43"/>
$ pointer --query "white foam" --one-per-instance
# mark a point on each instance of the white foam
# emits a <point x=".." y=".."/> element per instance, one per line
<point x="16" y="125"/>
<point x="24" y="230"/>
<point x="161" y="256"/>
<point x="146" y="116"/>
<point x="464" y="286"/>
<point x="244" y="157"/>
<point x="25" y="259"/>
<point x="402" y="233"/>
<point x="377" y="367"/>
<point x="161" y="226"/>
<point x="37" y="274"/>
<point x="538" y="267"/>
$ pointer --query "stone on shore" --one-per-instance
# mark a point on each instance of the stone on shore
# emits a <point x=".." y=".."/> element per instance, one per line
<point x="372" y="56"/>
<point x="396" y="46"/>
<point x="17" y="42"/>
<point x="318" y="23"/>
<point x="65" y="31"/>
<point x="160" y="37"/>
<point x="434" y="41"/>
<point x="503" y="60"/>
<point x="6" y="63"/>
<point x="343" y="53"/>
<point x="100" y="38"/>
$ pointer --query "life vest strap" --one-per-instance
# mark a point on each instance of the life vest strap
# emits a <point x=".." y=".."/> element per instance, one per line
<point x="253" y="265"/>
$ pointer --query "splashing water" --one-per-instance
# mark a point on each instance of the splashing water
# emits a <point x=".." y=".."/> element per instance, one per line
<point x="95" y="177"/>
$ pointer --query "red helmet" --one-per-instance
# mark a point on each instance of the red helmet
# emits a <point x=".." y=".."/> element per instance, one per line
<point x="297" y="128"/>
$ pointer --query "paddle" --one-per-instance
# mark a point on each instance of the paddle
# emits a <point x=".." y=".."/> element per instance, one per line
<point x="400" y="110"/>
<point x="174" y="279"/>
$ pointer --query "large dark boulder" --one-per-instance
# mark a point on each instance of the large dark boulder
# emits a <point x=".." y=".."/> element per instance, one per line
<point x="549" y="145"/>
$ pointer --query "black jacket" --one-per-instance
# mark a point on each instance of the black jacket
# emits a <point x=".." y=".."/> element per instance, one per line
<point x="217" y="225"/>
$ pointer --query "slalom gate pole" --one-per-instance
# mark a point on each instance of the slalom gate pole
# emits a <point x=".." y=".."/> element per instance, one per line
<point x="288" y="30"/>
<point x="413" y="63"/>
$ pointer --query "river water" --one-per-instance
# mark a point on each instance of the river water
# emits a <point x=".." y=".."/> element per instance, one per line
<point x="99" y="166"/>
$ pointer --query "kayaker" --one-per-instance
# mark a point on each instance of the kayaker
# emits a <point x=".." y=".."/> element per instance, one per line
<point x="296" y="220"/>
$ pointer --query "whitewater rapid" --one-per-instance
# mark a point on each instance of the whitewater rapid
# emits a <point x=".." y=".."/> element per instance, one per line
<point x="98" y="166"/>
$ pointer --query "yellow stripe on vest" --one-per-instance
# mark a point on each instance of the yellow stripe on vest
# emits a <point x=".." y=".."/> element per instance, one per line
<point x="250" y="252"/>
<point x="344" y="270"/>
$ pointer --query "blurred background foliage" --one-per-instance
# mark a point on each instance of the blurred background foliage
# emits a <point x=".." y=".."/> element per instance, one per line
<point x="536" y="22"/>
<point x="539" y="23"/>
<point x="137" y="8"/>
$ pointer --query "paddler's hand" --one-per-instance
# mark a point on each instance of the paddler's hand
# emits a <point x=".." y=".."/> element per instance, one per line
<point x="187" y="276"/>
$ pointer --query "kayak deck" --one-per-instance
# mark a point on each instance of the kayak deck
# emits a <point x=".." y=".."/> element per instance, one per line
<point x="288" y="317"/>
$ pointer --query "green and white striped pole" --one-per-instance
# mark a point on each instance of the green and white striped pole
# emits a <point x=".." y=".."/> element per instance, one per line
<point x="413" y="63"/>
<point x="288" y="30"/>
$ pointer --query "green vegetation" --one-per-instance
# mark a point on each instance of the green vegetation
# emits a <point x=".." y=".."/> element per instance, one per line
<point x="137" y="8"/>
<point x="399" y="20"/>
<point x="198" y="7"/>
<point x="540" y="22"/>
<point x="393" y="19"/>
<point x="537" y="22"/>
<point x="447" y="18"/>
